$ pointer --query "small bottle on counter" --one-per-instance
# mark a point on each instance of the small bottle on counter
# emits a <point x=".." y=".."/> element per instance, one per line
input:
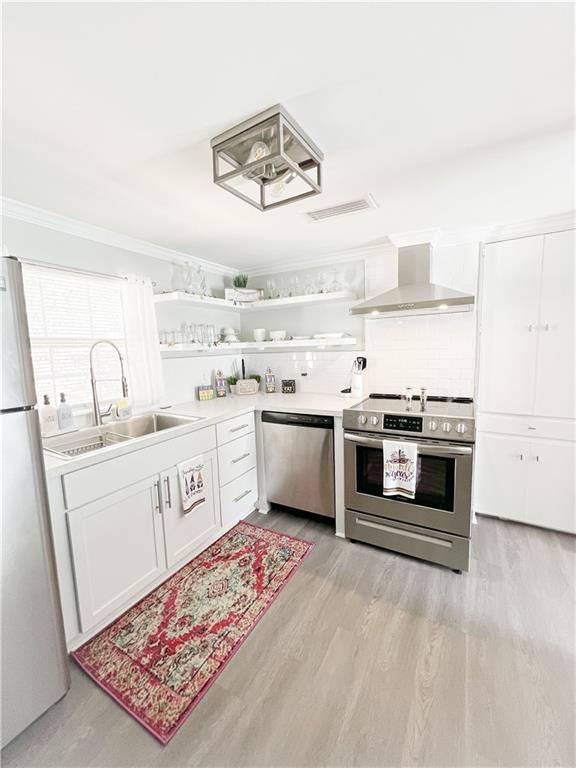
<point x="65" y="417"/>
<point x="48" y="417"/>
<point x="220" y="384"/>
<point x="269" y="381"/>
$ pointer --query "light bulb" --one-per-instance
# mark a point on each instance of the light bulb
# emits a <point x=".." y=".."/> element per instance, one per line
<point x="278" y="188"/>
<point x="258" y="150"/>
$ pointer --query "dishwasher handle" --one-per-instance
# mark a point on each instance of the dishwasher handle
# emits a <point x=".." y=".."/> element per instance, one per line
<point x="298" y="419"/>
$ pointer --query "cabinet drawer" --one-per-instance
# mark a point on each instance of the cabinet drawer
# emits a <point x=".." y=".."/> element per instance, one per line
<point x="526" y="426"/>
<point x="234" y="428"/>
<point x="86" y="485"/>
<point x="236" y="458"/>
<point x="238" y="498"/>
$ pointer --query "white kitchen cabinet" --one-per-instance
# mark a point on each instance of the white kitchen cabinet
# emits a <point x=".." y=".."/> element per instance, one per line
<point x="509" y="321"/>
<point x="555" y="382"/>
<point x="232" y="429"/>
<point x="185" y="534"/>
<point x="527" y="327"/>
<point x="239" y="498"/>
<point x="530" y="481"/>
<point x="117" y="549"/>
<point x="550" y="486"/>
<point x="236" y="458"/>
<point x="499" y="475"/>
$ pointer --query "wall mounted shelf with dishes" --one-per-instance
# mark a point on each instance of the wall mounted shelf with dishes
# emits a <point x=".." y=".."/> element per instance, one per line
<point x="195" y="350"/>
<point x="210" y="302"/>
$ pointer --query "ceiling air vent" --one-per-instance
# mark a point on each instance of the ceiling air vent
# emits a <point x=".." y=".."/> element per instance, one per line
<point x="344" y="209"/>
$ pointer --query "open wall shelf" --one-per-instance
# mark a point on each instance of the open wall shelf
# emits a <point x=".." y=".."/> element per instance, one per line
<point x="236" y="348"/>
<point x="210" y="302"/>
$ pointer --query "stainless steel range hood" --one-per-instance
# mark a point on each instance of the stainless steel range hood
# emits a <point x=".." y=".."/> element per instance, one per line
<point x="415" y="294"/>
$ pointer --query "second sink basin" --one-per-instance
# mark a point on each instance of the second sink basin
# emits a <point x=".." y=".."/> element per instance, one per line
<point x="138" y="426"/>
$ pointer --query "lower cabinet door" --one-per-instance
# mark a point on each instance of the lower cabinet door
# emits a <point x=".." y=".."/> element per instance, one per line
<point x="551" y="496"/>
<point x="500" y="476"/>
<point x="185" y="534"/>
<point x="238" y="498"/>
<point x="117" y="549"/>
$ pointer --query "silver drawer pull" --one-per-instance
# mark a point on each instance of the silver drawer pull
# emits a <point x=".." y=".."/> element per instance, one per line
<point x="237" y="429"/>
<point x="244" y="456"/>
<point x="168" y="492"/>
<point x="157" y="506"/>
<point x="242" y="495"/>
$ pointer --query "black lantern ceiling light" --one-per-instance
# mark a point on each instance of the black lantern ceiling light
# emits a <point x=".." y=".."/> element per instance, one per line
<point x="267" y="160"/>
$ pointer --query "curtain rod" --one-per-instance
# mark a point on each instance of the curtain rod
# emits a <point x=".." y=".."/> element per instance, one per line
<point x="62" y="268"/>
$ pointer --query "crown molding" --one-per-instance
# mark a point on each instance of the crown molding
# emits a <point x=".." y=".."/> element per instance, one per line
<point x="495" y="232"/>
<point x="13" y="209"/>
<point x="336" y="257"/>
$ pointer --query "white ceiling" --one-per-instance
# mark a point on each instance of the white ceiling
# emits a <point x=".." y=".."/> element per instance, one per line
<point x="451" y="115"/>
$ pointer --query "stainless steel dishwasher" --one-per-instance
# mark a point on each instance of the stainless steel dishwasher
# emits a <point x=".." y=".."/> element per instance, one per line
<point x="299" y="461"/>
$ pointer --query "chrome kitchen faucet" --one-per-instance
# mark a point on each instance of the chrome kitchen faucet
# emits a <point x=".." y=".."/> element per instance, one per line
<point x="95" y="404"/>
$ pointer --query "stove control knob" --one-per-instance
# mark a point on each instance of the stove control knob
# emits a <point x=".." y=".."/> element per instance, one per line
<point x="461" y="429"/>
<point x="374" y="420"/>
<point x="362" y="419"/>
<point x="446" y="427"/>
<point x="432" y="426"/>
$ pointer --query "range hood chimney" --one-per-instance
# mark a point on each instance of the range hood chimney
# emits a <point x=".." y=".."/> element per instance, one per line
<point x="415" y="294"/>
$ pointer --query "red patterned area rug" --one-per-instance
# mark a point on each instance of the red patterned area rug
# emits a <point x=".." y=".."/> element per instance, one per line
<point x="161" y="656"/>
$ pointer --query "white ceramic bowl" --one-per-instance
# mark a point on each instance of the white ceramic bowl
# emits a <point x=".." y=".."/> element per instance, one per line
<point x="259" y="334"/>
<point x="277" y="335"/>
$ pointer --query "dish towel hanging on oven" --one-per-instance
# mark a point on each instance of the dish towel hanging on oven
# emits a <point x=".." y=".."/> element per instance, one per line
<point x="191" y="477"/>
<point x="400" y="468"/>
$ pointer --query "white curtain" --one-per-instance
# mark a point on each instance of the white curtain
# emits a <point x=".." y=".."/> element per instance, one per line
<point x="145" y="384"/>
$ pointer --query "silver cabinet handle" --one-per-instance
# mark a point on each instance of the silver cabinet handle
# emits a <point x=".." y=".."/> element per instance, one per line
<point x="546" y="326"/>
<point x="168" y="492"/>
<point x="530" y="328"/>
<point x="521" y="457"/>
<point x="242" y="495"/>
<point x="157" y="506"/>
<point x="537" y="458"/>
<point x="237" y="429"/>
<point x="530" y="427"/>
<point x="239" y="458"/>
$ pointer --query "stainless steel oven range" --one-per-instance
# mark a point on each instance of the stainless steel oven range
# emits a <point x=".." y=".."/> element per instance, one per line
<point x="435" y="525"/>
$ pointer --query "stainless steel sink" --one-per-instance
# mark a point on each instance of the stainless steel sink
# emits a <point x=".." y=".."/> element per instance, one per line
<point x="96" y="438"/>
<point x="74" y="445"/>
<point x="138" y="426"/>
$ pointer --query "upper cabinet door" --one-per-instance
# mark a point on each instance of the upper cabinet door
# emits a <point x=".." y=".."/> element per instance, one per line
<point x="555" y="382"/>
<point x="509" y="325"/>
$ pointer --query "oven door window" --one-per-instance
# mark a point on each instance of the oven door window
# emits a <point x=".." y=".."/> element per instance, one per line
<point x="434" y="483"/>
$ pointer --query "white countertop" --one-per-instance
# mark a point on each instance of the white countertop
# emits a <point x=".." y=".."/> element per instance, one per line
<point x="233" y="405"/>
<point x="208" y="413"/>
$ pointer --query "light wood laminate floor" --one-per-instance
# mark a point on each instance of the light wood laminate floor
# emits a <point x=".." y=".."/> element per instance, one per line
<point x="369" y="659"/>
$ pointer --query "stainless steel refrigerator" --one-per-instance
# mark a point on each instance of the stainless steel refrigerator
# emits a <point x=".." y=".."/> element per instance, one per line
<point x="35" y="672"/>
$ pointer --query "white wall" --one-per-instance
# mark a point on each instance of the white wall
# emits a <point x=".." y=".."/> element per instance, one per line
<point x="436" y="352"/>
<point x="37" y="243"/>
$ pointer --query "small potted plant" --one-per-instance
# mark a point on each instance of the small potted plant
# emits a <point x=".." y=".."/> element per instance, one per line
<point x="240" y="292"/>
<point x="240" y="281"/>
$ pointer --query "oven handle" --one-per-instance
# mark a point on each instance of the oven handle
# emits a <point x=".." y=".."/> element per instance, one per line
<point x="429" y="450"/>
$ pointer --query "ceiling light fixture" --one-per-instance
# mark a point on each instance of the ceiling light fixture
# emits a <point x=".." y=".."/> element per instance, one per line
<point x="267" y="160"/>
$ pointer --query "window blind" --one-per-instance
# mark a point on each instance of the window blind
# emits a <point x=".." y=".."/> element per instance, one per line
<point x="68" y="312"/>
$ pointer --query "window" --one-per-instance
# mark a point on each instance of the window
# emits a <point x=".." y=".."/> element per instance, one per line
<point x="68" y="312"/>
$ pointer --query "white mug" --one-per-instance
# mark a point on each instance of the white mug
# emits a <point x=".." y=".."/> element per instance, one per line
<point x="259" y="334"/>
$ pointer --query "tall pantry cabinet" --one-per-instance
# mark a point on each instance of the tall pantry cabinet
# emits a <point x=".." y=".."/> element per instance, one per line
<point x="526" y="401"/>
